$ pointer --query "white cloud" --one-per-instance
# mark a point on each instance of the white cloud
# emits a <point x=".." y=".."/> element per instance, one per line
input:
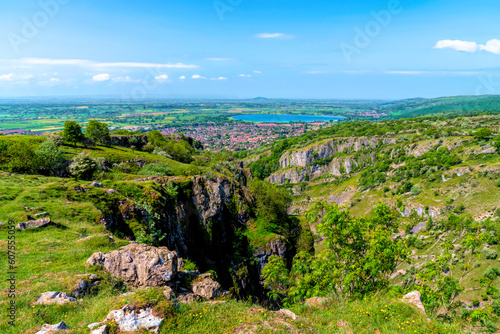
<point x="219" y="78"/>
<point x="316" y="72"/>
<point x="457" y="45"/>
<point x="273" y="35"/>
<point x="197" y="76"/>
<point x="405" y="72"/>
<point x="412" y="72"/>
<point x="258" y="72"/>
<point x="6" y="77"/>
<point x="245" y="75"/>
<point x="219" y="59"/>
<point x="162" y="77"/>
<point x="492" y="46"/>
<point x="125" y="79"/>
<point x="93" y="64"/>
<point x="182" y="77"/>
<point x="101" y="77"/>
<point x="54" y="80"/>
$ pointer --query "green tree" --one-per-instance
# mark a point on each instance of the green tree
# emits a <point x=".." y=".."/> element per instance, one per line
<point x="22" y="158"/>
<point x="497" y="143"/>
<point x="272" y="205"/>
<point x="50" y="158"/>
<point x="98" y="132"/>
<point x="276" y="278"/>
<point x="482" y="134"/>
<point x="359" y="257"/>
<point x="72" y="132"/>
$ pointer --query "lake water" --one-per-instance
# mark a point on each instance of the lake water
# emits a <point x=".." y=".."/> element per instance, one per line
<point x="274" y="118"/>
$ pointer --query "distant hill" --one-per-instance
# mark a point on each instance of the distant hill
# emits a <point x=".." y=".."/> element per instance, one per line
<point x="445" y="106"/>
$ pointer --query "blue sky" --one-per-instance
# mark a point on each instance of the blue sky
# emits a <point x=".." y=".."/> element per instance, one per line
<point x="248" y="48"/>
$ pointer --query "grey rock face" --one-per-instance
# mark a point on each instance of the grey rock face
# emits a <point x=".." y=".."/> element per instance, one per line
<point x="139" y="265"/>
<point x="275" y="247"/>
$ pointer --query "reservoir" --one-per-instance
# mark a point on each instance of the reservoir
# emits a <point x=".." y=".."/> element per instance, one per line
<point x="275" y="118"/>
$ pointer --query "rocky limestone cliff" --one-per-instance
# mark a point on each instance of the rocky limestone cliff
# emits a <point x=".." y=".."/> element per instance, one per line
<point x="309" y="155"/>
<point x="203" y="223"/>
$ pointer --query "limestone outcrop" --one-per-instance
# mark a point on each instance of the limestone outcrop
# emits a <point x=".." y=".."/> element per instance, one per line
<point x="139" y="265"/>
<point x="206" y="287"/>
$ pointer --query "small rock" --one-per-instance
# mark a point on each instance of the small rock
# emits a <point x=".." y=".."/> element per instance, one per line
<point x="187" y="298"/>
<point x="84" y="287"/>
<point x="51" y="297"/>
<point x="168" y="293"/>
<point x="34" y="223"/>
<point x="414" y="299"/>
<point x="94" y="325"/>
<point x="49" y="329"/>
<point x="100" y="330"/>
<point x="287" y="313"/>
<point x="96" y="184"/>
<point x="129" y="319"/>
<point x="111" y="191"/>
<point x="207" y="288"/>
<point x="43" y="214"/>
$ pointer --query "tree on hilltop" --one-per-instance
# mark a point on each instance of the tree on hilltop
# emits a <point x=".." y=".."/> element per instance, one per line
<point x="72" y="132"/>
<point x="98" y="132"/>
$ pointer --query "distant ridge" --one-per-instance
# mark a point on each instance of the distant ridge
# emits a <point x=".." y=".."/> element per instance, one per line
<point x="443" y="106"/>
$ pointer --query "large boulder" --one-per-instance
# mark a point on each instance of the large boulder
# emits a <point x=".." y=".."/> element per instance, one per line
<point x="51" y="297"/>
<point x="50" y="329"/>
<point x="206" y="287"/>
<point x="139" y="265"/>
<point x="129" y="319"/>
<point x="415" y="299"/>
<point x="34" y="223"/>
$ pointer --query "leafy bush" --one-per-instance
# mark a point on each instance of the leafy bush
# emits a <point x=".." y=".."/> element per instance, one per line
<point x="22" y="158"/>
<point x="483" y="134"/>
<point x="55" y="137"/>
<point x="415" y="190"/>
<point x="490" y="254"/>
<point x="84" y="166"/>
<point x="50" y="158"/>
<point x="491" y="273"/>
<point x="157" y="169"/>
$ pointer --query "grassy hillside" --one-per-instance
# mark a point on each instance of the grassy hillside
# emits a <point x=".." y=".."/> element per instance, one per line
<point x="445" y="106"/>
